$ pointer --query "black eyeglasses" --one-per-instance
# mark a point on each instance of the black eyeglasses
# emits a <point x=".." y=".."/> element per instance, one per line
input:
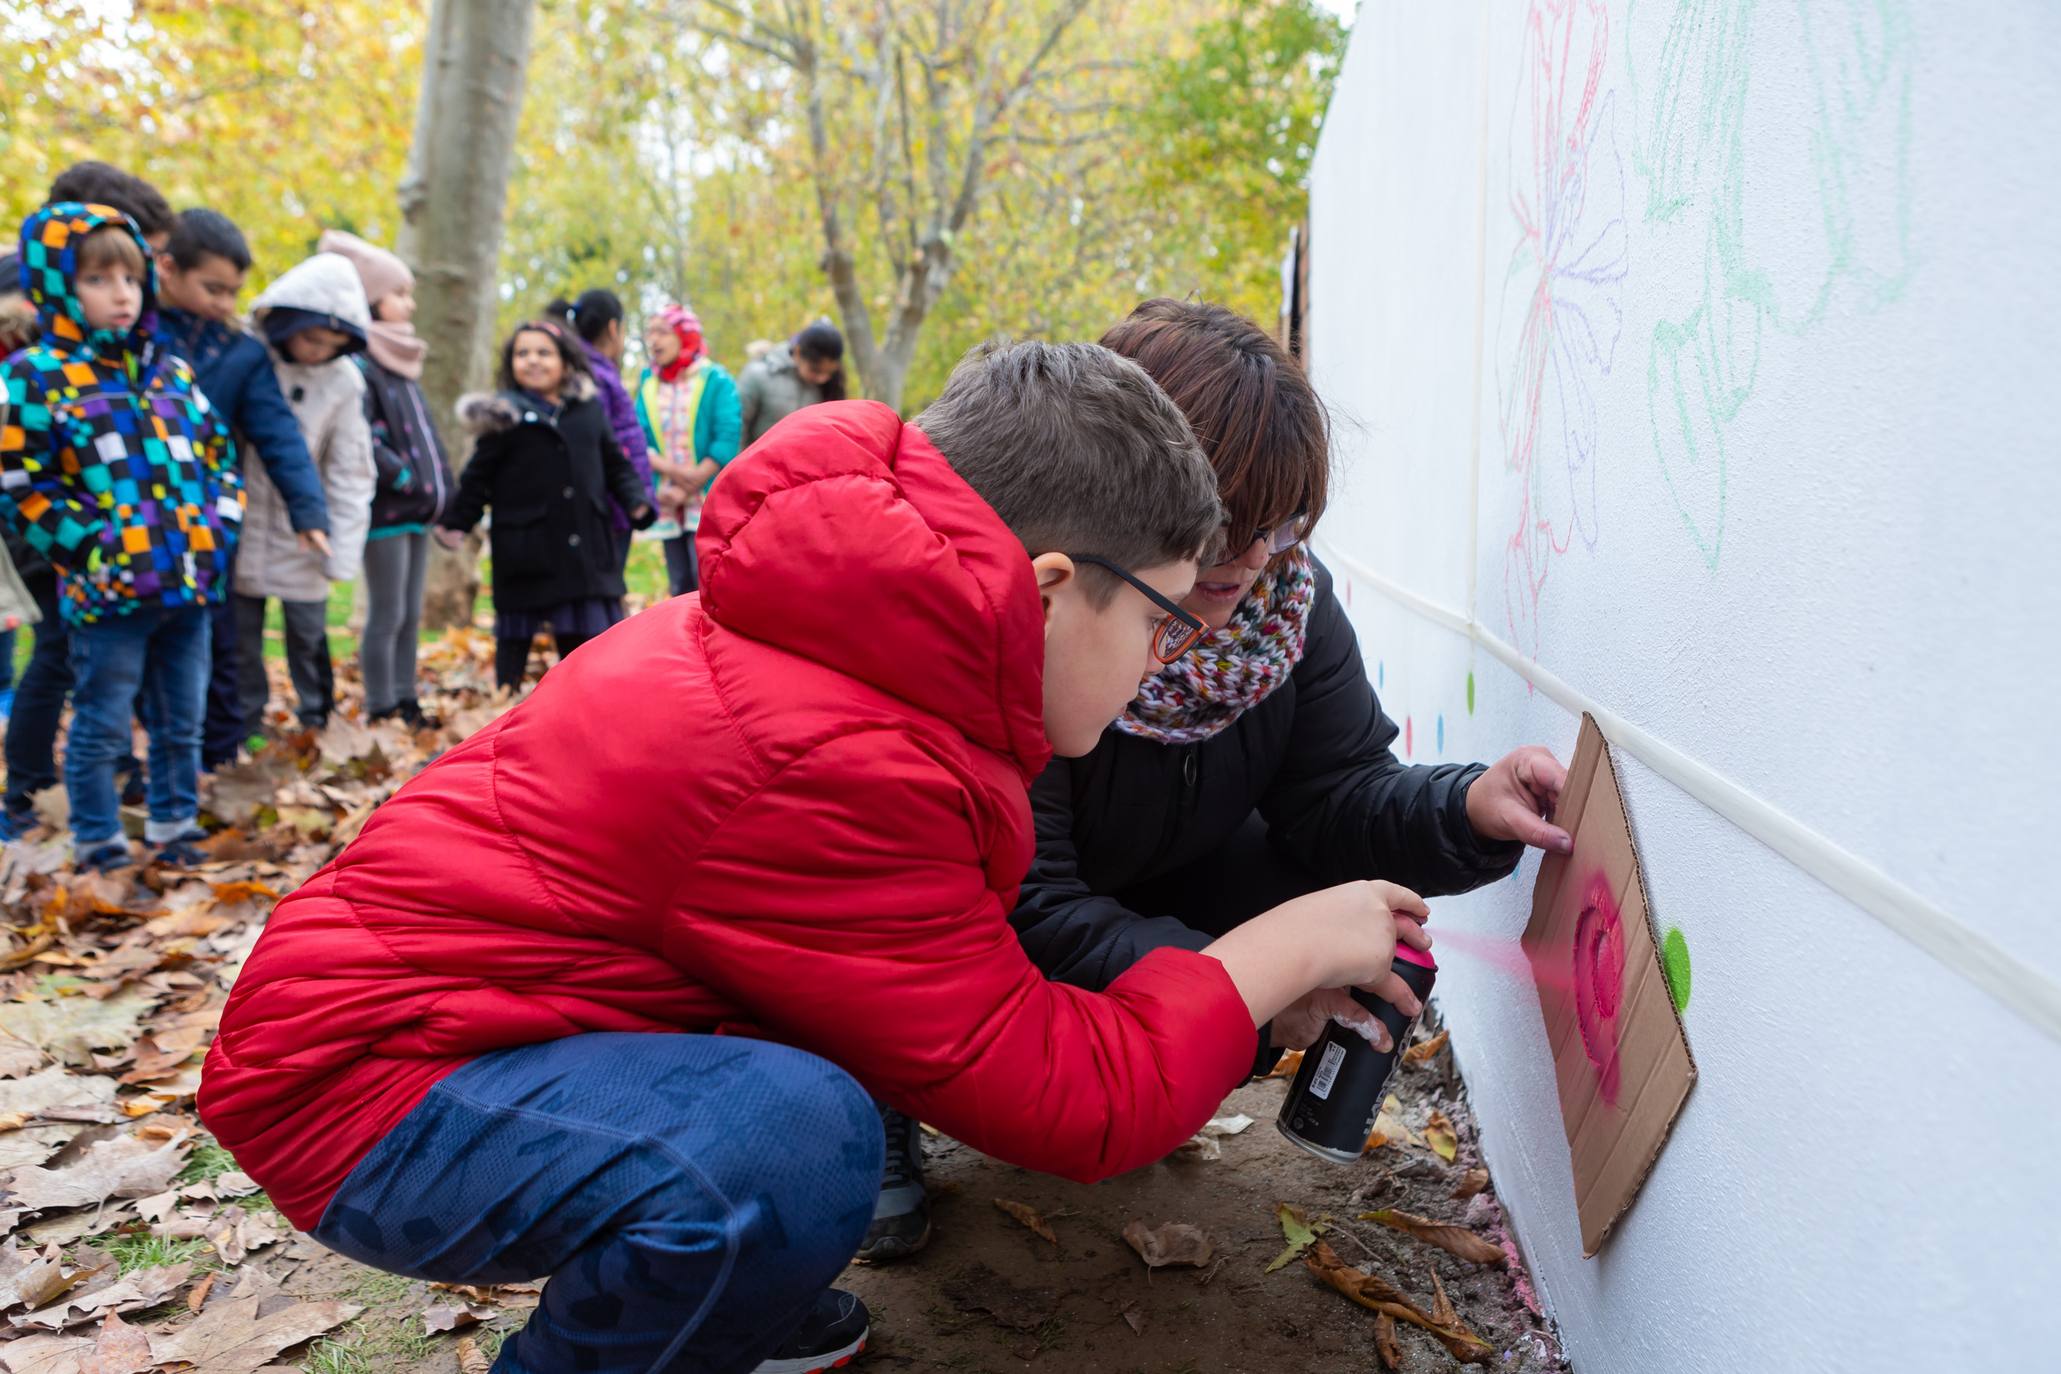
<point x="1177" y="631"/>
<point x="1280" y="538"/>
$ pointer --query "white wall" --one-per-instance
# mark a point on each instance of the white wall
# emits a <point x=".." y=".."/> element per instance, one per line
<point x="1691" y="358"/>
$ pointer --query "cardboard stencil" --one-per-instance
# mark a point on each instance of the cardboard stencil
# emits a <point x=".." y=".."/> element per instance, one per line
<point x="1618" y="1049"/>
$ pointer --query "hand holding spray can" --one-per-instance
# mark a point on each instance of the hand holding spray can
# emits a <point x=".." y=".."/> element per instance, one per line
<point x="1331" y="1106"/>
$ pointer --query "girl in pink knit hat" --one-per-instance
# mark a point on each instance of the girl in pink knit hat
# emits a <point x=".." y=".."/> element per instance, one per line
<point x="414" y="479"/>
<point x="689" y="408"/>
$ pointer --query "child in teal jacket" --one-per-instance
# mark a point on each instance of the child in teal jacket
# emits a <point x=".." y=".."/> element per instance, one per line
<point x="688" y="406"/>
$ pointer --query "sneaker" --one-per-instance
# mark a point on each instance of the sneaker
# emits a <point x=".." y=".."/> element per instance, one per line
<point x="106" y="858"/>
<point x="411" y="711"/>
<point x="830" y="1337"/>
<point x="901" y="1214"/>
<point x="183" y="849"/>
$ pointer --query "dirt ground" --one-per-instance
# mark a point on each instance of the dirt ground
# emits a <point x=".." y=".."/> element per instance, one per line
<point x="987" y="1294"/>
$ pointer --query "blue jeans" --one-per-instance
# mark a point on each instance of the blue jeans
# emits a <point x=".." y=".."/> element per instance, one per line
<point x="688" y="1195"/>
<point x="39" y="701"/>
<point x="151" y="663"/>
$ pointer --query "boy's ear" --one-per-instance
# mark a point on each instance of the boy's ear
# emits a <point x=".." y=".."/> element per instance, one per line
<point x="1054" y="571"/>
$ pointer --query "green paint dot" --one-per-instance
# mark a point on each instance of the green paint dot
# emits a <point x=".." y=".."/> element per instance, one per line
<point x="1674" y="962"/>
<point x="1470" y="694"/>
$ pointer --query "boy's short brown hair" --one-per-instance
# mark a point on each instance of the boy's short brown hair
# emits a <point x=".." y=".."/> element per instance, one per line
<point x="1079" y="452"/>
<point x="111" y="245"/>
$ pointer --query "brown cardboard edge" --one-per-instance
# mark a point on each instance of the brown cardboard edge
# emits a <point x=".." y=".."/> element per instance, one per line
<point x="1652" y="929"/>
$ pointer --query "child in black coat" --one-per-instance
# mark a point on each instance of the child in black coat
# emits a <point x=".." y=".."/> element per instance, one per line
<point x="547" y="462"/>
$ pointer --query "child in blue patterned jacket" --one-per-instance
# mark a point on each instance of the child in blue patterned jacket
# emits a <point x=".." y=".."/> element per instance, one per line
<point x="115" y="468"/>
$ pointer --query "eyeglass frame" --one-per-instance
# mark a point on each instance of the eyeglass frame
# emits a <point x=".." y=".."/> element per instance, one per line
<point x="1298" y="522"/>
<point x="1196" y="628"/>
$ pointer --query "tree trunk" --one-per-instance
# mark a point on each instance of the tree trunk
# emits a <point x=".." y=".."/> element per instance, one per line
<point x="453" y="200"/>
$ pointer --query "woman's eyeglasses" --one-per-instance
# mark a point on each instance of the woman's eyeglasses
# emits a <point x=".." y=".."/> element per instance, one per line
<point x="1177" y="631"/>
<point x="1280" y="538"/>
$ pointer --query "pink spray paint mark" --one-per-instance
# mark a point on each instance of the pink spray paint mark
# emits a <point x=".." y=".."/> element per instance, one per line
<point x="1409" y="738"/>
<point x="1505" y="956"/>
<point x="1599" y="981"/>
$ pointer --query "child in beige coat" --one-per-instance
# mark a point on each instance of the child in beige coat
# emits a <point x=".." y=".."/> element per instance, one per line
<point x="312" y="318"/>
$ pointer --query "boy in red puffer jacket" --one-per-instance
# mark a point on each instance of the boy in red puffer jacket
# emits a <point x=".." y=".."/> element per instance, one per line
<point x="440" y="1058"/>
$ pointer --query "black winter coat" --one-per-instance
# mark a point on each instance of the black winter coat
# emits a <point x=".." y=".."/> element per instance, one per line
<point x="415" y="485"/>
<point x="549" y="484"/>
<point x="1142" y="844"/>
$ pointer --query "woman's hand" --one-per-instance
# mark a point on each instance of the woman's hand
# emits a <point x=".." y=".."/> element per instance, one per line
<point x="1304" y="1019"/>
<point x="314" y="541"/>
<point x="1512" y="800"/>
<point x="449" y="538"/>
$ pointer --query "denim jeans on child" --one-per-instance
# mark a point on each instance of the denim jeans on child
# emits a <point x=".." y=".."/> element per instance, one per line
<point x="689" y="1195"/>
<point x="151" y="663"/>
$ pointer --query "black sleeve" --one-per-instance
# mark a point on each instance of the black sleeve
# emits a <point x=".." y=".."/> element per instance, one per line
<point x="1344" y="805"/>
<point x="476" y="482"/>
<point x="624" y="484"/>
<point x="1081" y="937"/>
<point x="1075" y="935"/>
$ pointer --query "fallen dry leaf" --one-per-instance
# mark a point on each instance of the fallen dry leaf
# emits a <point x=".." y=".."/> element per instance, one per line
<point x="1454" y="1240"/>
<point x="1379" y="1295"/>
<point x="1441" y="1305"/>
<point x="71" y="1028"/>
<point x="45" y="1355"/>
<point x="1135" y="1319"/>
<point x="1441" y="1137"/>
<point x="1471" y="1182"/>
<point x="57" y="1089"/>
<point x="1287" y="1065"/>
<point x="229" y="1337"/>
<point x="199" y="1296"/>
<point x="126" y="1166"/>
<point x="1385" y="1343"/>
<point x="1389" y="1128"/>
<point x="119" y="1349"/>
<point x="1427" y="1050"/>
<point x="471" y="1359"/>
<point x="1029" y="1217"/>
<point x="234" y="1232"/>
<point x="1173" y="1242"/>
<point x="449" y="1316"/>
<point x="90" y="1301"/>
<point x="1299" y="1234"/>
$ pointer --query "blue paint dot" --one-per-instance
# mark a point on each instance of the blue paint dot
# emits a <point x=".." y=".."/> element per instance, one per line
<point x="1441" y="734"/>
<point x="1380" y="673"/>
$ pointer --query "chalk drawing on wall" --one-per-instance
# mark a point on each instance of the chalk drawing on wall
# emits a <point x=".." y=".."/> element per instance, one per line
<point x="1690" y="140"/>
<point x="1560" y="318"/>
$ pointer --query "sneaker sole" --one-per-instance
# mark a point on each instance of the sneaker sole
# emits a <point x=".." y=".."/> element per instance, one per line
<point x="888" y="1249"/>
<point x="816" y="1364"/>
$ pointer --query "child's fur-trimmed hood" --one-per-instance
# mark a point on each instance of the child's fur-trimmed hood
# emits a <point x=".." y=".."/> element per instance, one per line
<point x="488" y="412"/>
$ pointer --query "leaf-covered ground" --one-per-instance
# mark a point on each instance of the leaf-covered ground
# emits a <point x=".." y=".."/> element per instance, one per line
<point x="132" y="1243"/>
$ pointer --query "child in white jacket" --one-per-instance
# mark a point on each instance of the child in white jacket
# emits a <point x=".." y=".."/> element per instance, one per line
<point x="312" y="318"/>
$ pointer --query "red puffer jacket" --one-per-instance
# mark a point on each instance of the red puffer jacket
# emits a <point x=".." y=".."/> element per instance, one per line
<point x="812" y="830"/>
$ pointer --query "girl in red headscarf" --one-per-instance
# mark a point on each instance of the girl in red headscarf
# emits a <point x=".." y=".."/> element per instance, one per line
<point x="688" y="405"/>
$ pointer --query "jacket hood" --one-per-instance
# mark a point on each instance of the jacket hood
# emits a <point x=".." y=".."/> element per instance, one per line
<point x="326" y="285"/>
<point x="50" y="240"/>
<point x="484" y="412"/>
<point x="846" y="538"/>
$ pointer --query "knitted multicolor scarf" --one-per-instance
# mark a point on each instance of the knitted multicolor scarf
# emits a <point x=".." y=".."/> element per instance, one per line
<point x="1233" y="669"/>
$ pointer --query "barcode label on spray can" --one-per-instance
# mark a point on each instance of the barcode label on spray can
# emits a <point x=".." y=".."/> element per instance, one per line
<point x="1327" y="1072"/>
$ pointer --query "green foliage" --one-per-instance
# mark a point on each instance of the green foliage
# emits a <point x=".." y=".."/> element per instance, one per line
<point x="142" y="1250"/>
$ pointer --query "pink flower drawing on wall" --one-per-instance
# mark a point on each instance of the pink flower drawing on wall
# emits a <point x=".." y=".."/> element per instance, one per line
<point x="1560" y="321"/>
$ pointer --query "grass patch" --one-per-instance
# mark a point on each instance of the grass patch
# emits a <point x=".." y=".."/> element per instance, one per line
<point x="379" y="1287"/>
<point x="145" y="1251"/>
<point x="207" y="1163"/>
<point x="371" y="1344"/>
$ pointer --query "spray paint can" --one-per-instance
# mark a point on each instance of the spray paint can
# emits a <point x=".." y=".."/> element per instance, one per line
<point x="1337" y="1092"/>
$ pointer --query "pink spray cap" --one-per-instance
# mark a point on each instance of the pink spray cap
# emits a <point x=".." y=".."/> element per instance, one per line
<point x="1410" y="954"/>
